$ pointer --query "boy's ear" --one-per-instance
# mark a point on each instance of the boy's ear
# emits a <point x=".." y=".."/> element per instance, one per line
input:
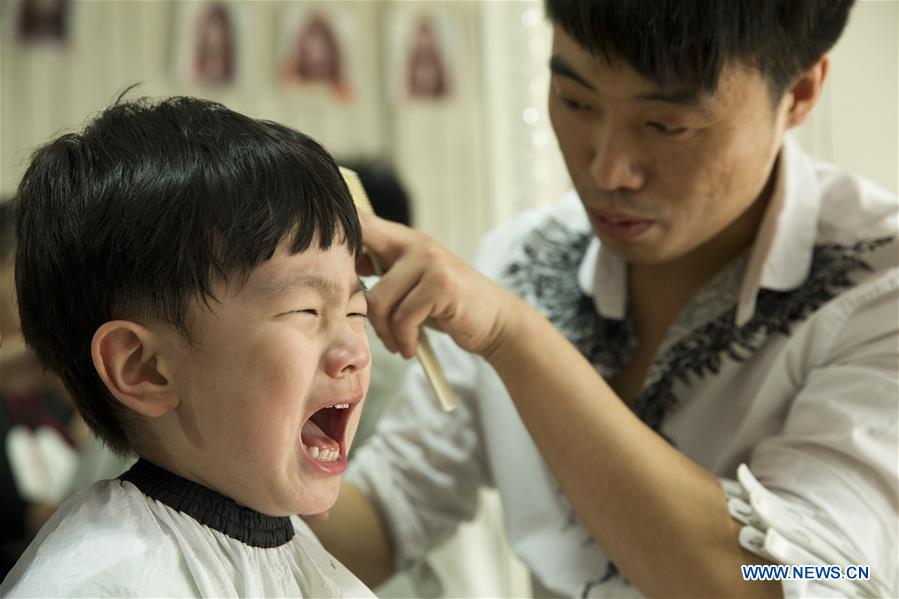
<point x="805" y="92"/>
<point x="127" y="357"/>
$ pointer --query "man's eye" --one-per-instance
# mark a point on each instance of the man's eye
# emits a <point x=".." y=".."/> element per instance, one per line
<point x="361" y="315"/>
<point x="308" y="311"/>
<point x="573" y="104"/>
<point x="663" y="128"/>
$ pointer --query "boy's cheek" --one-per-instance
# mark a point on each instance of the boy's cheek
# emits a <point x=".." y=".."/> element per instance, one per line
<point x="353" y="425"/>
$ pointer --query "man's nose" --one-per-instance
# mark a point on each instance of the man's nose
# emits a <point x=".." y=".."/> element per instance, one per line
<point x="347" y="354"/>
<point x="616" y="161"/>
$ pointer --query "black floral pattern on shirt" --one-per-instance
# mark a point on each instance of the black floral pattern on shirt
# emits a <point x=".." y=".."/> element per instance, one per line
<point x="546" y="275"/>
<point x="703" y="351"/>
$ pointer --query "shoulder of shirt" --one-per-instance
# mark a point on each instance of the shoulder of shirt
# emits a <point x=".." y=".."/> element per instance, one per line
<point x="95" y="526"/>
<point x="855" y="210"/>
<point x="858" y="222"/>
<point x="499" y="245"/>
<point x="860" y="219"/>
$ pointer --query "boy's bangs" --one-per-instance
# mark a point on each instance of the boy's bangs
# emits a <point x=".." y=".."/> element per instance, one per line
<point x="276" y="198"/>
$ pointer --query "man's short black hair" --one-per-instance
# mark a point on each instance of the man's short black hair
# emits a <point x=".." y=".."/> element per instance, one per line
<point x="144" y="210"/>
<point x="685" y="43"/>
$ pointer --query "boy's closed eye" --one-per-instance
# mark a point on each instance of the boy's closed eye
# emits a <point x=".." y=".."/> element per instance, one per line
<point x="323" y="295"/>
<point x="317" y="314"/>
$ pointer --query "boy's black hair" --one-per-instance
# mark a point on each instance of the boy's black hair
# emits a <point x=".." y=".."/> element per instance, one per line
<point x="7" y="230"/>
<point x="685" y="43"/>
<point x="144" y="210"/>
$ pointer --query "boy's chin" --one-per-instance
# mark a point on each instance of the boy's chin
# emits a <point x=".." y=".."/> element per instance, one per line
<point x="321" y="499"/>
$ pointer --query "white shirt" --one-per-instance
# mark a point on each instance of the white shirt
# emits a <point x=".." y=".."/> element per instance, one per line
<point x="112" y="540"/>
<point x="786" y="361"/>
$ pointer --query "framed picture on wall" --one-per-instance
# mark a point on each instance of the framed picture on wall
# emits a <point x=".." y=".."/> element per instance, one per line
<point x="422" y="55"/>
<point x="314" y="51"/>
<point x="40" y="22"/>
<point x="209" y="42"/>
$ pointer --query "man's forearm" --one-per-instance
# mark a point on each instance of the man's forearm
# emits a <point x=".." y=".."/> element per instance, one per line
<point x="661" y="518"/>
<point x="355" y="534"/>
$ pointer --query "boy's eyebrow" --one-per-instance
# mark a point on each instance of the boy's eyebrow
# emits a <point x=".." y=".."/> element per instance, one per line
<point x="280" y="285"/>
<point x="685" y="97"/>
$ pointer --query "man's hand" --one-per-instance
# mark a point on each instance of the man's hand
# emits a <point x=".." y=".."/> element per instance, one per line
<point x="425" y="284"/>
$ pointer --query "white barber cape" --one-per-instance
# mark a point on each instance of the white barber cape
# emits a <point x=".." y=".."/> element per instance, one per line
<point x="786" y="362"/>
<point x="113" y="540"/>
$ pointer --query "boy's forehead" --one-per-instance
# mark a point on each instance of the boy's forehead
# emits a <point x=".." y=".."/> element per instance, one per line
<point x="328" y="272"/>
<point x="277" y="285"/>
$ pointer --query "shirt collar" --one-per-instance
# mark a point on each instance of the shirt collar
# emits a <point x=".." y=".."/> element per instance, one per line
<point x="779" y="260"/>
<point x="599" y="264"/>
<point x="781" y="256"/>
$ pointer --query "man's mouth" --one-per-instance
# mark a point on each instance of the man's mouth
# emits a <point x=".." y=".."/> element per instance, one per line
<point x="324" y="436"/>
<point x="620" y="226"/>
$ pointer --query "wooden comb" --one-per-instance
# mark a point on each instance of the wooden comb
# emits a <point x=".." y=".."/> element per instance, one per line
<point x="425" y="352"/>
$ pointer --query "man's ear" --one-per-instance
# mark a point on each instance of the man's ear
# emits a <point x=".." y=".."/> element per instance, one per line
<point x="805" y="92"/>
<point x="127" y="357"/>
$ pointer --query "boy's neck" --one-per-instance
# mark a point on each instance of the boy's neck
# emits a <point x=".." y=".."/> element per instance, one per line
<point x="209" y="507"/>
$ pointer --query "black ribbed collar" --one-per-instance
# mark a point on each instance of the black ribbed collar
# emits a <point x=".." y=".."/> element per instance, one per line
<point x="209" y="507"/>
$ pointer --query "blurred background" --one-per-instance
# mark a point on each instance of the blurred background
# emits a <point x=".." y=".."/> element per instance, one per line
<point x="451" y="93"/>
<point x="446" y="98"/>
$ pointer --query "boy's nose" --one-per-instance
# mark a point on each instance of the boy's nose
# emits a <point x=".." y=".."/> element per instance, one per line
<point x="348" y="353"/>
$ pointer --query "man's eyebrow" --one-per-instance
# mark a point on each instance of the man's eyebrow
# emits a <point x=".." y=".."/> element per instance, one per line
<point x="686" y="97"/>
<point x="281" y="285"/>
<point x="558" y="66"/>
<point x="681" y="97"/>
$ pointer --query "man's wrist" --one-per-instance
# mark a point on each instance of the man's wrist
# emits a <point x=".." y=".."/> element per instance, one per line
<point x="513" y="323"/>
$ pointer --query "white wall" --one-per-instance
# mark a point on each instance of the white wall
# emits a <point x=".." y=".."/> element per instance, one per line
<point x="471" y="162"/>
<point x="437" y="146"/>
<point x="856" y="125"/>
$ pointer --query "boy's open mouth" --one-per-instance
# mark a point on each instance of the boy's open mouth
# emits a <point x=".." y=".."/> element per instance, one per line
<point x="323" y="434"/>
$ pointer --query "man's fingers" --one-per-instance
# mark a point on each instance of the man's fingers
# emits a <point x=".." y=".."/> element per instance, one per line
<point x="387" y="294"/>
<point x="409" y="316"/>
<point x="386" y="240"/>
<point x="402" y="301"/>
<point x="365" y="267"/>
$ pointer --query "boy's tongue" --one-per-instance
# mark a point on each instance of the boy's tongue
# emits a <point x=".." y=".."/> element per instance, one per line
<point x="313" y="436"/>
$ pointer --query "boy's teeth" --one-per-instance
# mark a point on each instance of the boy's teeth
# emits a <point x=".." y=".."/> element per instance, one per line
<point x="322" y="455"/>
<point x="341" y="406"/>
